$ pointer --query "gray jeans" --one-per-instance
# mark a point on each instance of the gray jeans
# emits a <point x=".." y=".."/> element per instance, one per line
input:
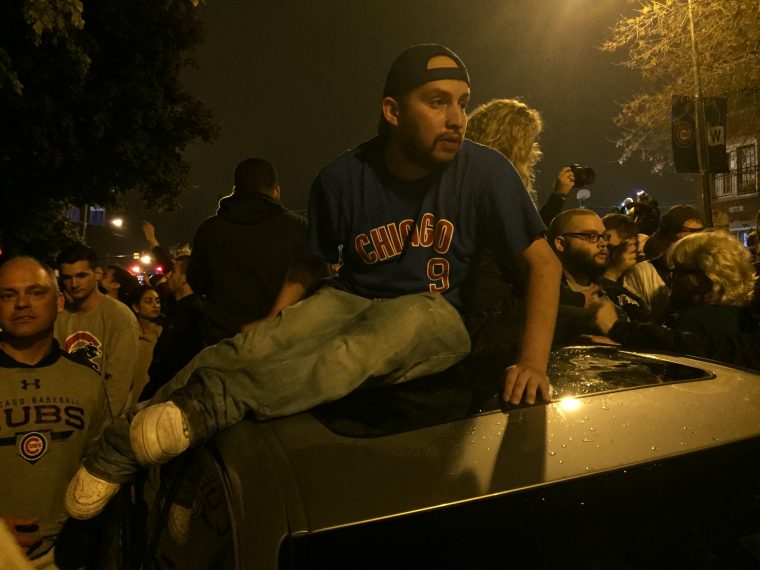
<point x="316" y="351"/>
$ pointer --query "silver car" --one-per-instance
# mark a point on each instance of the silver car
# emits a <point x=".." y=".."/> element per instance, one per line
<point x="640" y="460"/>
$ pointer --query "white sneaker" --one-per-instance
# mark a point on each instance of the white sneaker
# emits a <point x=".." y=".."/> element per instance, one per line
<point x="159" y="433"/>
<point x="87" y="495"/>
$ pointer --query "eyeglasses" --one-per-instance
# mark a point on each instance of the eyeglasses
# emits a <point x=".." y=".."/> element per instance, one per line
<point x="591" y="237"/>
<point x="629" y="244"/>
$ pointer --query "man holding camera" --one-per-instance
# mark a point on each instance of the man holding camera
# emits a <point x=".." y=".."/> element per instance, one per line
<point x="573" y="176"/>
<point x="645" y="213"/>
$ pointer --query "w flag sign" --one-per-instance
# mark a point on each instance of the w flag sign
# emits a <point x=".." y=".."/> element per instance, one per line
<point x="684" y="134"/>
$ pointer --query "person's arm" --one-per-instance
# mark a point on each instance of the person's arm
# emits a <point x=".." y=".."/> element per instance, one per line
<point x="294" y="288"/>
<point x="161" y="255"/>
<point x="556" y="201"/>
<point x="528" y="375"/>
<point x="298" y="281"/>
<point x="647" y="336"/>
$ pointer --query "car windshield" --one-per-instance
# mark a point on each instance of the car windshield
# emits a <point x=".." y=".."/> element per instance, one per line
<point x="474" y="387"/>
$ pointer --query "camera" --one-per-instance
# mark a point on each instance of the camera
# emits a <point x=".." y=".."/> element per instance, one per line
<point x="584" y="175"/>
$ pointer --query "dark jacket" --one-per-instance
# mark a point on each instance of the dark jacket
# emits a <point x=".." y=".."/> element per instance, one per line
<point x="180" y="340"/>
<point x="647" y="217"/>
<point x="574" y="320"/>
<point x="721" y="333"/>
<point x="554" y="204"/>
<point x="240" y="259"/>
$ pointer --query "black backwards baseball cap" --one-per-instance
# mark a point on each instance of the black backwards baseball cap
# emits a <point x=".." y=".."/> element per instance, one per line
<point x="412" y="68"/>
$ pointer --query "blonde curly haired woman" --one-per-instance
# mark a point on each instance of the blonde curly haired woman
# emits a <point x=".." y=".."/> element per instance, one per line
<point x="512" y="128"/>
<point x="712" y="281"/>
<point x="494" y="292"/>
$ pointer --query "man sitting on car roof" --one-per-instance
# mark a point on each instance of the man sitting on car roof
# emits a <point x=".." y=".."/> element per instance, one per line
<point x="409" y="210"/>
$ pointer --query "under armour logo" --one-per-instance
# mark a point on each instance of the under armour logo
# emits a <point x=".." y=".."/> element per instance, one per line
<point x="25" y="384"/>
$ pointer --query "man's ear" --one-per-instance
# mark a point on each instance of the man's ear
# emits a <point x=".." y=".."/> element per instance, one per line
<point x="559" y="244"/>
<point x="390" y="110"/>
<point x="60" y="302"/>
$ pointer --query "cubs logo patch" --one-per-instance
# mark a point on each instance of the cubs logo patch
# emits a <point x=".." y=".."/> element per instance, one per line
<point x="32" y="446"/>
<point x="84" y="346"/>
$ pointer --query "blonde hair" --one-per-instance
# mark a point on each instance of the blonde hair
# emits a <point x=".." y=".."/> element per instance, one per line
<point x="723" y="260"/>
<point x="512" y="128"/>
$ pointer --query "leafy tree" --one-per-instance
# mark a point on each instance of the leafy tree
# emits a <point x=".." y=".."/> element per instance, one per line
<point x="91" y="107"/>
<point x="658" y="44"/>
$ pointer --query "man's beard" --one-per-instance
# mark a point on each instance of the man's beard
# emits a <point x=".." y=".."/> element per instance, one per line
<point x="581" y="263"/>
<point x="422" y="157"/>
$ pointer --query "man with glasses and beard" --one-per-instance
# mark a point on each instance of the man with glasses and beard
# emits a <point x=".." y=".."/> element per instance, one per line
<point x="406" y="213"/>
<point x="580" y="240"/>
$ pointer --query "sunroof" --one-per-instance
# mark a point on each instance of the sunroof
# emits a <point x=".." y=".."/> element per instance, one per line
<point x="582" y="370"/>
<point x="475" y="386"/>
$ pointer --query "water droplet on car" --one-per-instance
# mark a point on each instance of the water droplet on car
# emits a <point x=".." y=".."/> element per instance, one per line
<point x="552" y="453"/>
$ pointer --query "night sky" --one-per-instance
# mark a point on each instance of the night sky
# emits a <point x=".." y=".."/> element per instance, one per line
<point x="298" y="82"/>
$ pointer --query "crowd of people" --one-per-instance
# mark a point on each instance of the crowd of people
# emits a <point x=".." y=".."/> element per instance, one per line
<point x="421" y="247"/>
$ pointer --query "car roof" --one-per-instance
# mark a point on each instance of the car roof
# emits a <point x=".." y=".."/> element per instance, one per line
<point x="320" y="477"/>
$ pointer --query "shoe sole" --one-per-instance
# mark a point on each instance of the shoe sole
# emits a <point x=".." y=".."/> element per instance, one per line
<point x="148" y="423"/>
<point x="82" y="511"/>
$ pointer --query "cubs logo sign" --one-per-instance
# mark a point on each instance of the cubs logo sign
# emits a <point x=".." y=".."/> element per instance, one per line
<point x="32" y="446"/>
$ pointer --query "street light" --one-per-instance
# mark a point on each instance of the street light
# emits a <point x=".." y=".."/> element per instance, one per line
<point x="117" y="222"/>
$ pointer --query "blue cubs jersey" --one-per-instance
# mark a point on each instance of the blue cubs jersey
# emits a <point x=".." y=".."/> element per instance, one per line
<point x="397" y="237"/>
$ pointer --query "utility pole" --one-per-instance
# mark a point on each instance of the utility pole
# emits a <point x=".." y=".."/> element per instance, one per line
<point x="84" y="223"/>
<point x="700" y="122"/>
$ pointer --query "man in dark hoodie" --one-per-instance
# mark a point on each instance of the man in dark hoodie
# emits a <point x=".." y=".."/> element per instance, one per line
<point x="241" y="255"/>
